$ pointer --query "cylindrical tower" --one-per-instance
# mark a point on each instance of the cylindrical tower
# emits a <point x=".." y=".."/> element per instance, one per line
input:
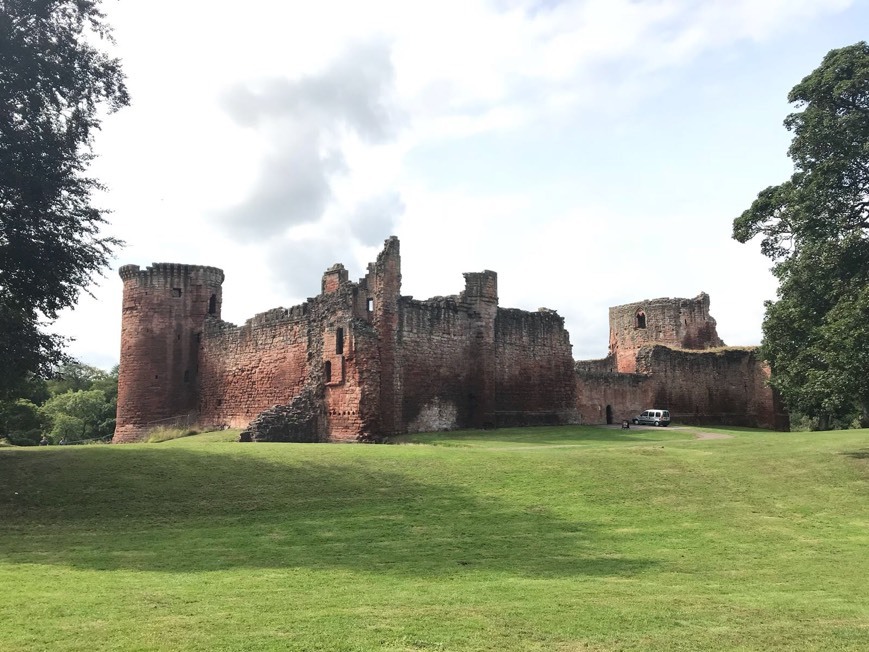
<point x="164" y="311"/>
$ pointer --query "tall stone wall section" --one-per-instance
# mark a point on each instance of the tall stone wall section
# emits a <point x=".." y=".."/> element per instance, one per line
<point x="435" y="364"/>
<point x="534" y="370"/>
<point x="677" y="323"/>
<point x="726" y="387"/>
<point x="165" y="307"/>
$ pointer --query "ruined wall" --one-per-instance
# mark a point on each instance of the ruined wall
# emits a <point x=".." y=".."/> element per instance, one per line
<point x="621" y="396"/>
<point x="727" y="387"/>
<point x="247" y="369"/>
<point x="360" y="362"/>
<point x="164" y="309"/>
<point x="677" y="323"/>
<point x="534" y="369"/>
<point x="435" y="364"/>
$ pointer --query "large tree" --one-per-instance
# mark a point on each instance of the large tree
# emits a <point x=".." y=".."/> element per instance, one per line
<point x="815" y="227"/>
<point x="55" y="83"/>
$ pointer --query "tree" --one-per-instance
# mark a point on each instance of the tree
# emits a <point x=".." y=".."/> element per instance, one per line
<point x="54" y="84"/>
<point x="76" y="415"/>
<point x="815" y="227"/>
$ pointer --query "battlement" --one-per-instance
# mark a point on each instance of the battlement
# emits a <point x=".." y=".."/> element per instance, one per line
<point x="481" y="285"/>
<point x="157" y="274"/>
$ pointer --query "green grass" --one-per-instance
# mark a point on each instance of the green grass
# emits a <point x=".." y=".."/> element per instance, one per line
<point x="565" y="539"/>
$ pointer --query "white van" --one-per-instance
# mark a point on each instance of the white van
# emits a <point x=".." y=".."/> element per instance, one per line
<point x="653" y="418"/>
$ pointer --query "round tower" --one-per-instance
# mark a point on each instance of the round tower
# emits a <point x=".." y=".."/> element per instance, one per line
<point x="164" y="310"/>
<point x="677" y="323"/>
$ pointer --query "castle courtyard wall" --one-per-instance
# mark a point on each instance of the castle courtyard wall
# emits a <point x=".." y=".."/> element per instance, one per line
<point x="534" y="374"/>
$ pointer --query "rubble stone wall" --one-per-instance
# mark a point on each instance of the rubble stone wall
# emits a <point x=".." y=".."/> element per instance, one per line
<point x="677" y="323"/>
<point x="435" y="364"/>
<point x="534" y="374"/>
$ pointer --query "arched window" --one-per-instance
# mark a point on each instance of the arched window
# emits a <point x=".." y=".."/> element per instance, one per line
<point x="641" y="319"/>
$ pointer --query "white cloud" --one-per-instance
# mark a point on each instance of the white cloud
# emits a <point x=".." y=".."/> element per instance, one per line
<point x="328" y="102"/>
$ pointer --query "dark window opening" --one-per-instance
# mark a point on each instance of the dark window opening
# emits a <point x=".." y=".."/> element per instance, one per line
<point x="198" y="337"/>
<point x="609" y="415"/>
<point x="186" y="375"/>
<point x="212" y="305"/>
<point x="176" y="292"/>
<point x="178" y="337"/>
<point x="339" y="340"/>
<point x="370" y="304"/>
<point x="219" y="401"/>
<point x="641" y="319"/>
<point x="327" y="370"/>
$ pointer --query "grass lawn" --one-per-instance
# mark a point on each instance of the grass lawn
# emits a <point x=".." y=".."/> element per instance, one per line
<point x="565" y="539"/>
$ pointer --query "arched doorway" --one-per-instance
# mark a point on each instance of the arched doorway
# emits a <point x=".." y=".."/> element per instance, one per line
<point x="609" y="415"/>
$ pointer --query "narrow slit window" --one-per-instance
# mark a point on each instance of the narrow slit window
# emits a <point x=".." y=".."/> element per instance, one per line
<point x="186" y="375"/>
<point x="339" y="340"/>
<point x="641" y="319"/>
<point x="327" y="370"/>
<point x="212" y="305"/>
<point x="370" y="304"/>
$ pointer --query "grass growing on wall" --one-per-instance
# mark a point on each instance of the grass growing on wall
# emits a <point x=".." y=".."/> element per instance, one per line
<point x="573" y="538"/>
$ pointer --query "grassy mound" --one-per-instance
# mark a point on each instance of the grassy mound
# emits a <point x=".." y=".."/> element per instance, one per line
<point x="574" y="538"/>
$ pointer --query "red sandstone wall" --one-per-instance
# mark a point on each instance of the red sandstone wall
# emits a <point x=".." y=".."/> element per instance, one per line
<point x="248" y="369"/>
<point x="534" y="369"/>
<point x="626" y="395"/>
<point x="164" y="310"/>
<point x="435" y="365"/>
<point x="677" y="323"/>
<point x="726" y="387"/>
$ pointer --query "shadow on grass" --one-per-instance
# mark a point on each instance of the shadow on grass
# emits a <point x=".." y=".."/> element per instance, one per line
<point x="197" y="511"/>
<point x="862" y="454"/>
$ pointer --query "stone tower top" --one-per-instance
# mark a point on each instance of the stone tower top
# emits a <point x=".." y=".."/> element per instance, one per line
<point x="158" y="273"/>
<point x="677" y="323"/>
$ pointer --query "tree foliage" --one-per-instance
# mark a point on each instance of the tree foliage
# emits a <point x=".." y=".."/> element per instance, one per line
<point x="54" y="85"/>
<point x="78" y="403"/>
<point x="815" y="227"/>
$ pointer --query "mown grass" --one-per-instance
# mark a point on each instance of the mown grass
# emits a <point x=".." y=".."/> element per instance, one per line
<point x="540" y="539"/>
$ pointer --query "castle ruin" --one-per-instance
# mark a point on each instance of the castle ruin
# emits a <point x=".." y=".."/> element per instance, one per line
<point x="360" y="362"/>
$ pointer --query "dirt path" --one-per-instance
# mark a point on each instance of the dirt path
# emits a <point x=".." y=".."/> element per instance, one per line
<point x="712" y="435"/>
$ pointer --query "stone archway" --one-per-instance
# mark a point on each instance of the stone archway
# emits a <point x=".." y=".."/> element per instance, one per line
<point x="609" y="415"/>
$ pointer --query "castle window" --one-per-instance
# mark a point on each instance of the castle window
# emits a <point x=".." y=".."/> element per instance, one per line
<point x="641" y="319"/>
<point x="339" y="340"/>
<point x="370" y="304"/>
<point x="186" y="375"/>
<point x="176" y="292"/>
<point x="212" y="305"/>
<point x="327" y="370"/>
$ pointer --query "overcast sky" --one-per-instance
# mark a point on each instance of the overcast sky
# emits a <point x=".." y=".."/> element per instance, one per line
<point x="592" y="152"/>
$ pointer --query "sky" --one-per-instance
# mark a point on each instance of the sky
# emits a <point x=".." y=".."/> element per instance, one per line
<point x="591" y="152"/>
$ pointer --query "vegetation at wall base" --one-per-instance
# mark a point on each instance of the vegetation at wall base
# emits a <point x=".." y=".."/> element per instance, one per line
<point x="570" y="538"/>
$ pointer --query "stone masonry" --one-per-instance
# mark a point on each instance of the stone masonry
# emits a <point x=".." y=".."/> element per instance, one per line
<point x="360" y="362"/>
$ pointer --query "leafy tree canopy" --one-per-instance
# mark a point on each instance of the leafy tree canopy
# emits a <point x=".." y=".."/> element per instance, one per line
<point x="815" y="227"/>
<point x="54" y="83"/>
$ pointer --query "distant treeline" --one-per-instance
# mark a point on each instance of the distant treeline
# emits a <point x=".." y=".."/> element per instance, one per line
<point x="76" y="405"/>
